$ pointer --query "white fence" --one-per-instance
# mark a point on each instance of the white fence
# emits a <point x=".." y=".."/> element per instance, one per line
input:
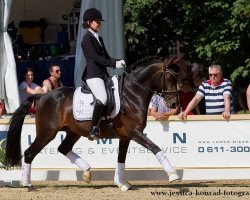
<point x="200" y="144"/>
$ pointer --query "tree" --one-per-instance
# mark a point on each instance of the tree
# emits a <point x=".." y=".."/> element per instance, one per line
<point x="148" y="27"/>
<point x="210" y="31"/>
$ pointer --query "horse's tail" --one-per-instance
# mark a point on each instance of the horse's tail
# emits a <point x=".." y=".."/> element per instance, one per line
<point x="13" y="145"/>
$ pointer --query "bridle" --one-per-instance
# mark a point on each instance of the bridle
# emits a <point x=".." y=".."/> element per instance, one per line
<point x="166" y="71"/>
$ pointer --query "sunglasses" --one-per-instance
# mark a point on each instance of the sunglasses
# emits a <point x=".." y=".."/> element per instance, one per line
<point x="215" y="75"/>
<point x="58" y="71"/>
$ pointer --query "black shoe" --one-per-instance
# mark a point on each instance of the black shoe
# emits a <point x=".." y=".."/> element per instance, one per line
<point x="94" y="133"/>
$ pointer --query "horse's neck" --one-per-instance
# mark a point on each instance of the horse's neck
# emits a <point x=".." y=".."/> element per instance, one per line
<point x="137" y="90"/>
<point x="135" y="102"/>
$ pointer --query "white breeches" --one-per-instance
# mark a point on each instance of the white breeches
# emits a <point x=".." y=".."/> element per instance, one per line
<point x="97" y="86"/>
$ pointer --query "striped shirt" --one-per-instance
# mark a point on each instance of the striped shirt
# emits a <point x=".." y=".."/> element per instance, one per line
<point x="214" y="99"/>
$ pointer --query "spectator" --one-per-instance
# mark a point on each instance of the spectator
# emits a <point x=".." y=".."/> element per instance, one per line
<point x="28" y="88"/>
<point x="54" y="80"/>
<point x="248" y="97"/>
<point x="186" y="95"/>
<point x="2" y="107"/>
<point x="239" y="96"/>
<point x="217" y="92"/>
<point x="160" y="109"/>
<point x="197" y="78"/>
<point x="150" y="105"/>
<point x="196" y="83"/>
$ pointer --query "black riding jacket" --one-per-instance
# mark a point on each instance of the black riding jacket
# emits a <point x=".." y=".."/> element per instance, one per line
<point x="97" y="58"/>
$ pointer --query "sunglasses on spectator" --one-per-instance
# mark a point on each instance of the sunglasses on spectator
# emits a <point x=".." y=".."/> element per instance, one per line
<point x="58" y="71"/>
<point x="215" y="75"/>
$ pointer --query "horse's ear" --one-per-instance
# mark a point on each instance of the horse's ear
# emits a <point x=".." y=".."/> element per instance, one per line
<point x="175" y="63"/>
<point x="168" y="62"/>
<point x="177" y="60"/>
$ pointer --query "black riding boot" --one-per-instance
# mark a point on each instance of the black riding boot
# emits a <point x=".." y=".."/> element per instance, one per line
<point x="97" y="113"/>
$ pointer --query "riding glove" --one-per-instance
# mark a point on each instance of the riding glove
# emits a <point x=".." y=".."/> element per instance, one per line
<point x="120" y="64"/>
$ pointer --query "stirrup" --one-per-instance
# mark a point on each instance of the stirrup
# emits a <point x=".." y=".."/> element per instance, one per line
<point x="94" y="133"/>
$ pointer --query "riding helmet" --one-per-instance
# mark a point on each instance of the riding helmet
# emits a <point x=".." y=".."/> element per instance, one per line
<point x="92" y="14"/>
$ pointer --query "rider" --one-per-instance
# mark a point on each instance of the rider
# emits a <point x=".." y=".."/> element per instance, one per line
<point x="97" y="61"/>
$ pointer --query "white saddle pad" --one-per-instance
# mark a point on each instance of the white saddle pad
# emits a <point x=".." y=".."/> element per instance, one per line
<point x="82" y="108"/>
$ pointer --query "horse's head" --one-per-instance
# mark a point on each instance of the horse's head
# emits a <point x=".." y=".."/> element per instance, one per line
<point x="154" y="75"/>
<point x="170" y="73"/>
<point x="167" y="80"/>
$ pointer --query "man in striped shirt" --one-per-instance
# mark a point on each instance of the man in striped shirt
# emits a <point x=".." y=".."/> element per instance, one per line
<point x="217" y="92"/>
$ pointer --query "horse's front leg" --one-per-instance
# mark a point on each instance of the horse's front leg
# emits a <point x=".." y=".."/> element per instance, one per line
<point x="119" y="177"/>
<point x="141" y="139"/>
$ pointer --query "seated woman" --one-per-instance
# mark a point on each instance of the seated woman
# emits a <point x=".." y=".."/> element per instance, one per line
<point x="28" y="88"/>
<point x="160" y="109"/>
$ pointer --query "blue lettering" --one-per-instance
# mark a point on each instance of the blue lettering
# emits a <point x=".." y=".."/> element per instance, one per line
<point x="62" y="138"/>
<point x="104" y="141"/>
<point x="3" y="135"/>
<point x="29" y="140"/>
<point x="182" y="139"/>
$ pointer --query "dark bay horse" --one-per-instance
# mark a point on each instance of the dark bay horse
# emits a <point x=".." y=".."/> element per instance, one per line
<point x="54" y="113"/>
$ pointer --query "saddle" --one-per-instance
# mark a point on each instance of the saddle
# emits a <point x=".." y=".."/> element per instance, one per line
<point x="110" y="95"/>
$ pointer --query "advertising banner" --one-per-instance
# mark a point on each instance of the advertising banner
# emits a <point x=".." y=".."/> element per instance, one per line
<point x="189" y="144"/>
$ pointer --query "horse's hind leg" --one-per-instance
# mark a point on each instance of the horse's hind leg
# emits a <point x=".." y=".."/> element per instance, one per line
<point x="119" y="177"/>
<point x="29" y="155"/>
<point x="148" y="144"/>
<point x="66" y="149"/>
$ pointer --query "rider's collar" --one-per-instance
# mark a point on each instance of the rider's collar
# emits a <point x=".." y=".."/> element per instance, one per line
<point x="96" y="35"/>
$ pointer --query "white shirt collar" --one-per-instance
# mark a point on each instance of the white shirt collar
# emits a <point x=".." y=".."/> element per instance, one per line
<point x="94" y="33"/>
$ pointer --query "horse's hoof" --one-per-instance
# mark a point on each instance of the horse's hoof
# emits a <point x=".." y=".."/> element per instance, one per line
<point x="87" y="176"/>
<point x="31" y="188"/>
<point x="173" y="176"/>
<point x="125" y="186"/>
